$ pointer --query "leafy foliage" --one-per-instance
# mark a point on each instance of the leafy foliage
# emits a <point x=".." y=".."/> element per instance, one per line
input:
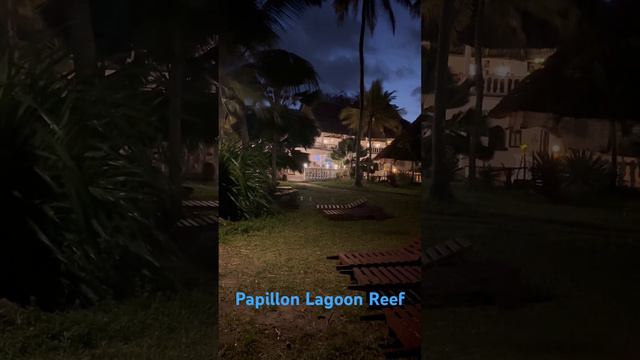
<point x="244" y="180"/>
<point x="380" y="112"/>
<point x="579" y="173"/>
<point x="586" y="172"/>
<point x="82" y="197"/>
<point x="547" y="174"/>
<point x="344" y="148"/>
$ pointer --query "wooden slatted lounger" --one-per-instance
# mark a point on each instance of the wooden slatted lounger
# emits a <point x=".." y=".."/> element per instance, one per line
<point x="358" y="213"/>
<point x="408" y="255"/>
<point x="204" y="204"/>
<point x="351" y="205"/>
<point x="198" y="223"/>
<point x="385" y="277"/>
<point x="404" y="324"/>
<point x="445" y="250"/>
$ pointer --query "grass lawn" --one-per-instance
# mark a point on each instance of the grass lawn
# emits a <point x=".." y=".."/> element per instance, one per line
<point x="287" y="253"/>
<point x="584" y="257"/>
<point x="156" y="326"/>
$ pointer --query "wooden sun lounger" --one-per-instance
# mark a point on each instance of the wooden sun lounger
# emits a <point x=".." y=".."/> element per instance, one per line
<point x="351" y="205"/>
<point x="198" y="224"/>
<point x="385" y="277"/>
<point x="200" y="204"/>
<point x="404" y="325"/>
<point x="409" y="254"/>
<point x="445" y="250"/>
<point x="358" y="213"/>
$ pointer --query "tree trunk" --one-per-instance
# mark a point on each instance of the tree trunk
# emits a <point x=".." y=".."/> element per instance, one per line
<point x="370" y="149"/>
<point x="358" y="181"/>
<point x="244" y="128"/>
<point x="81" y="38"/>
<point x="479" y="80"/>
<point x="176" y="78"/>
<point x="440" y="185"/>
<point x="613" y="140"/>
<point x="274" y="163"/>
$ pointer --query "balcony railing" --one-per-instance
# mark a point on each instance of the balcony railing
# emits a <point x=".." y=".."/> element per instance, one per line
<point x="499" y="85"/>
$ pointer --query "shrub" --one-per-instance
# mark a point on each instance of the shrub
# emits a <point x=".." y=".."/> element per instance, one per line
<point x="547" y="174"/>
<point x="244" y="180"/>
<point x="404" y="178"/>
<point x="585" y="172"/>
<point x="81" y="200"/>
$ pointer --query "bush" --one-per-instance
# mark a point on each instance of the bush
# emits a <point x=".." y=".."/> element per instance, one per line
<point x="585" y="172"/>
<point x="547" y="174"/>
<point x="404" y="178"/>
<point x="79" y="195"/>
<point x="580" y="173"/>
<point x="244" y="180"/>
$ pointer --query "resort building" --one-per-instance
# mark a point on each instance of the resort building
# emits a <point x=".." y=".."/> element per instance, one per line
<point x="322" y="166"/>
<point x="515" y="135"/>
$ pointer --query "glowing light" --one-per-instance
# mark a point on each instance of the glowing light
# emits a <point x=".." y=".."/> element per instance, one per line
<point x="555" y="148"/>
<point x="305" y="165"/>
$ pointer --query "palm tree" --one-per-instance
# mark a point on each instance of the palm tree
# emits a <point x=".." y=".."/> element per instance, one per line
<point x="273" y="82"/>
<point x="247" y="28"/>
<point x="368" y="17"/>
<point x="380" y="111"/>
<point x="440" y="186"/>
<point x="479" y="86"/>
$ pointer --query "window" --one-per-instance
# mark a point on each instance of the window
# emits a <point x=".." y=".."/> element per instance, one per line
<point x="515" y="138"/>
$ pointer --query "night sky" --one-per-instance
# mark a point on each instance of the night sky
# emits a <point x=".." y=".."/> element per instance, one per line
<point x="333" y="51"/>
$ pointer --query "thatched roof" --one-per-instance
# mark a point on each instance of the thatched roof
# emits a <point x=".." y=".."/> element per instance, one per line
<point x="594" y="77"/>
<point x="405" y="146"/>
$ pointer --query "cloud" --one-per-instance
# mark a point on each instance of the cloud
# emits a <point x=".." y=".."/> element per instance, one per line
<point x="333" y="51"/>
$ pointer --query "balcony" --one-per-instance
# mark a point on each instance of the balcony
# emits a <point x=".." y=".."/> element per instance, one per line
<point x="499" y="85"/>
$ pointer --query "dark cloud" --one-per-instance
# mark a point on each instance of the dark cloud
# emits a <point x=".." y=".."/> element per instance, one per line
<point x="333" y="50"/>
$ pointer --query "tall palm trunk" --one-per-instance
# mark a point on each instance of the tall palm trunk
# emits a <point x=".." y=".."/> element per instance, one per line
<point x="244" y="128"/>
<point x="440" y="186"/>
<point x="176" y="77"/>
<point x="274" y="163"/>
<point x="479" y="80"/>
<point x="613" y="140"/>
<point x="370" y="149"/>
<point x="81" y="38"/>
<point x="358" y="181"/>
